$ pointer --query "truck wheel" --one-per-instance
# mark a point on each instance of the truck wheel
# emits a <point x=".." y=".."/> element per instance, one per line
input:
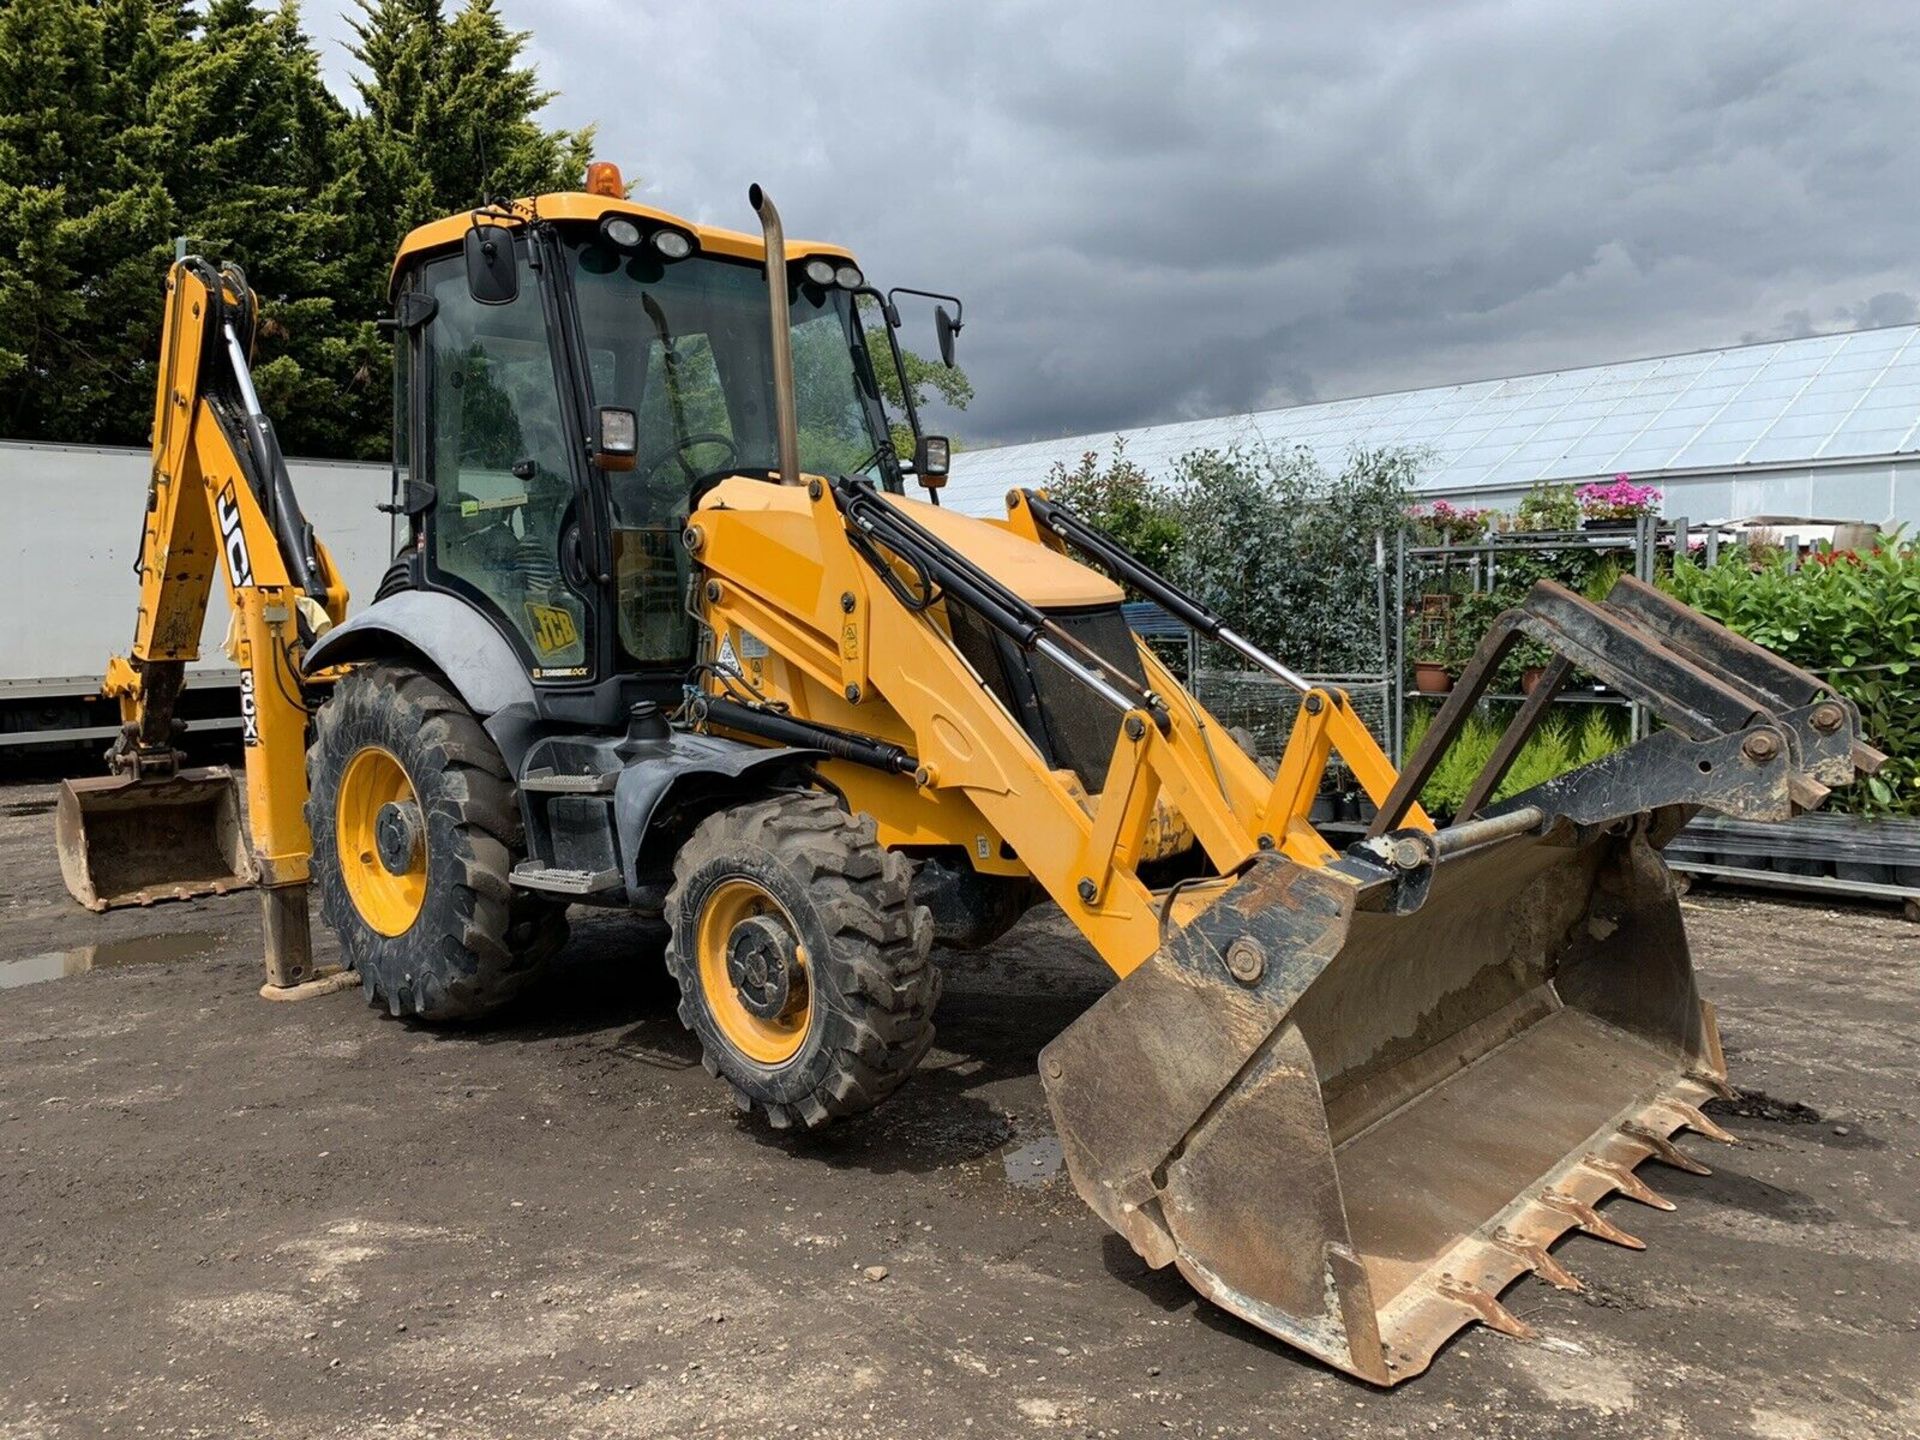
<point x="415" y="830"/>
<point x="801" y="958"/>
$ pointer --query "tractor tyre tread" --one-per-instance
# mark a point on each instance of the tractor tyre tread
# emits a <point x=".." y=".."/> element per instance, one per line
<point x="477" y="943"/>
<point x="875" y="992"/>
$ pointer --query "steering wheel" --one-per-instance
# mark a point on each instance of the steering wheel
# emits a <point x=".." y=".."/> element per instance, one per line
<point x="678" y="452"/>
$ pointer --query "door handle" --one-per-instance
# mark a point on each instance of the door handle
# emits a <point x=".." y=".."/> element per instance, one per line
<point x="573" y="560"/>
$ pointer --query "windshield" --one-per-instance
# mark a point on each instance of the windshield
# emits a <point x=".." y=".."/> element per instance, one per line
<point x="684" y="346"/>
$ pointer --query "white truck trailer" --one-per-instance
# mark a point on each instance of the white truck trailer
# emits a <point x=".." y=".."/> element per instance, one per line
<point x="69" y="537"/>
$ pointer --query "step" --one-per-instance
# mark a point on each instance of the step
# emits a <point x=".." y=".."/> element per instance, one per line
<point x="549" y="881"/>
<point x="547" y="782"/>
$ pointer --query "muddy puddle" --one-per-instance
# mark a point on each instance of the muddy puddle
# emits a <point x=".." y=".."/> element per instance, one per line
<point x="144" y="950"/>
<point x="1034" y="1163"/>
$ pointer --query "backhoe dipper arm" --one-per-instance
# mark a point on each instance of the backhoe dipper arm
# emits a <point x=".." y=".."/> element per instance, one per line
<point x="220" y="488"/>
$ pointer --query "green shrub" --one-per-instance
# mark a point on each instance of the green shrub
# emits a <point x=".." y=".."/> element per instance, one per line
<point x="1851" y="618"/>
<point x="1562" y="743"/>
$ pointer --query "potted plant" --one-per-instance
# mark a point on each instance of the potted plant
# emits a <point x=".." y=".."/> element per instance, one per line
<point x="1430" y="673"/>
<point x="1548" y="507"/>
<point x="1617" y="505"/>
<point x="1443" y="524"/>
<point x="1532" y="658"/>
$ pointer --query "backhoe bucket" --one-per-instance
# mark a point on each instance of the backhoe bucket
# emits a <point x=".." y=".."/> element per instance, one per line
<point x="128" y="841"/>
<point x="1353" y="1103"/>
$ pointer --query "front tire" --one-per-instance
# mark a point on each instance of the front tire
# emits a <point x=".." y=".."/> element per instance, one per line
<point x="801" y="958"/>
<point x="415" y="831"/>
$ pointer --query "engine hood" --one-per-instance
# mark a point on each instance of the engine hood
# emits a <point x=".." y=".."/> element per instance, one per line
<point x="1041" y="576"/>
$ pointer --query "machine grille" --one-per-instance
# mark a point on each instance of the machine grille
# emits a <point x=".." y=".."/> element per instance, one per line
<point x="1073" y="727"/>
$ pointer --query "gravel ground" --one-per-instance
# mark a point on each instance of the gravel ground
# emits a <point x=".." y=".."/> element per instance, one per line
<point x="220" y="1216"/>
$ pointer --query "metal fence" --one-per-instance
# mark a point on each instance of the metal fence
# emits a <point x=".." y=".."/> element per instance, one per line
<point x="1245" y="698"/>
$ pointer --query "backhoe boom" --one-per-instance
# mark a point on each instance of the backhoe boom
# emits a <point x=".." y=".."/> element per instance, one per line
<point x="219" y="500"/>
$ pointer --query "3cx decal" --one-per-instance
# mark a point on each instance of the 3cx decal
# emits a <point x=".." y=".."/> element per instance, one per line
<point x="233" y="538"/>
<point x="249" y="711"/>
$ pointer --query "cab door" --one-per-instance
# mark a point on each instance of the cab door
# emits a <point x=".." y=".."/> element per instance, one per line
<point x="504" y="530"/>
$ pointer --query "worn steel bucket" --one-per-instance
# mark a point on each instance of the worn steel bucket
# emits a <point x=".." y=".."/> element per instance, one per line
<point x="127" y="841"/>
<point x="1352" y="1104"/>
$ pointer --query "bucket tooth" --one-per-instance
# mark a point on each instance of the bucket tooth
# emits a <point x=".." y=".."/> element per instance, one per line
<point x="1626" y="1182"/>
<point x="1694" y="1119"/>
<point x="1537" y="1258"/>
<point x="1664" y="1150"/>
<point x="1489" y="1311"/>
<point x="1590" y="1219"/>
<point x="1716" y="1083"/>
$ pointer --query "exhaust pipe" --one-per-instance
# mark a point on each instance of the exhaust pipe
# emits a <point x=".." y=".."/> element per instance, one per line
<point x="784" y="420"/>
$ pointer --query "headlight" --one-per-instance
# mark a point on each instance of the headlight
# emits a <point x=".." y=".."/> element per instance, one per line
<point x="673" y="244"/>
<point x="819" y="271"/>
<point x="620" y="231"/>
<point x="848" y="277"/>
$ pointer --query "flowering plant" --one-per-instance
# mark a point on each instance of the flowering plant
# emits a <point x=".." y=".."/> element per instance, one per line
<point x="1452" y="524"/>
<point x="1620" y="500"/>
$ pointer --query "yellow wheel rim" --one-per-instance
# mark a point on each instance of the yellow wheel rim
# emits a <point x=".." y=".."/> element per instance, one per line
<point x="388" y="890"/>
<point x="740" y="923"/>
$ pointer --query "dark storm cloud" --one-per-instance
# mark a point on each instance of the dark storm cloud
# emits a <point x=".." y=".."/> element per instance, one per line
<point x="1159" y="212"/>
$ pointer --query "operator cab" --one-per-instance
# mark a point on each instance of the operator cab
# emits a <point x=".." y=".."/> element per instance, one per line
<point x="574" y="373"/>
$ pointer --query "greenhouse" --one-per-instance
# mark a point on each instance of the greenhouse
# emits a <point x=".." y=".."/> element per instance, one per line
<point x="1821" y="428"/>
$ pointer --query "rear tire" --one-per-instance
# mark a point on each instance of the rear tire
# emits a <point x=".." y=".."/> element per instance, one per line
<point x="400" y="773"/>
<point x="801" y="958"/>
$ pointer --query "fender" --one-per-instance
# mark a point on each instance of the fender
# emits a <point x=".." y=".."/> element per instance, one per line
<point x="448" y="634"/>
<point x="661" y="782"/>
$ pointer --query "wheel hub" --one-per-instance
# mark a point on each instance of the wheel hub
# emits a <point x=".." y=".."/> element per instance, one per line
<point x="763" y="966"/>
<point x="399" y="835"/>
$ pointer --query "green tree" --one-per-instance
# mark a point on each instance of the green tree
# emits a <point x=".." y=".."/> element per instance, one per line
<point x="84" y="218"/>
<point x="1123" y="500"/>
<point x="270" y="194"/>
<point x="449" y="120"/>
<point x="126" y="122"/>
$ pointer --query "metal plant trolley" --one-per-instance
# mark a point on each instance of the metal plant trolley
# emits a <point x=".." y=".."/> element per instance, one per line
<point x="1481" y="559"/>
<point x="1820" y="853"/>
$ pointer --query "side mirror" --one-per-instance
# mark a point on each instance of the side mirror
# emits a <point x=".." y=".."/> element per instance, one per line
<point x="493" y="277"/>
<point x="945" y="327"/>
<point x="616" y="438"/>
<point x="930" y="456"/>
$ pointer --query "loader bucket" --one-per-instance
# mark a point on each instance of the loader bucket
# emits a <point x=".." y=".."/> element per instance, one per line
<point x="1353" y="1103"/>
<point x="1359" y="1148"/>
<point x="128" y="841"/>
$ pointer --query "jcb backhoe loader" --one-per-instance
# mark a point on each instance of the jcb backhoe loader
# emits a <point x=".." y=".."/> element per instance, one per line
<point x="666" y="633"/>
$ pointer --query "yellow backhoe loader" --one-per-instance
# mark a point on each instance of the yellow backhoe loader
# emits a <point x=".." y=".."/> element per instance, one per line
<point x="667" y="633"/>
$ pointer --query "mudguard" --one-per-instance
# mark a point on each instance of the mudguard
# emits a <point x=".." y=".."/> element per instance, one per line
<point x="453" y="637"/>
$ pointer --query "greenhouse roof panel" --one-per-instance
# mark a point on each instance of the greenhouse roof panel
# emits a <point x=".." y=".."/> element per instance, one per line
<point x="1826" y="396"/>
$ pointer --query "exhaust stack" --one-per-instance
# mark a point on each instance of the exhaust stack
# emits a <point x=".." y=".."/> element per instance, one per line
<point x="785" y="422"/>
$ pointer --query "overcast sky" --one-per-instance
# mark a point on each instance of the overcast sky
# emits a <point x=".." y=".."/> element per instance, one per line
<point x="1161" y="211"/>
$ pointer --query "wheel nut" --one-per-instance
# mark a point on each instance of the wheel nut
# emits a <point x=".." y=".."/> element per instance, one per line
<point x="1760" y="746"/>
<point x="1246" y="961"/>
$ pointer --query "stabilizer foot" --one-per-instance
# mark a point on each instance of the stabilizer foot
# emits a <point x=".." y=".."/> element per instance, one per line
<point x="330" y="980"/>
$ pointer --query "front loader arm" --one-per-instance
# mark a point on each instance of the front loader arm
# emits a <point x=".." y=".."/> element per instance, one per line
<point x="845" y="610"/>
<point x="220" y="500"/>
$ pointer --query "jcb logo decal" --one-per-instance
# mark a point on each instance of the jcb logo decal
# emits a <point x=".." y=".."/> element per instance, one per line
<point x="553" y="628"/>
<point x="233" y="537"/>
<point x="249" y="713"/>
